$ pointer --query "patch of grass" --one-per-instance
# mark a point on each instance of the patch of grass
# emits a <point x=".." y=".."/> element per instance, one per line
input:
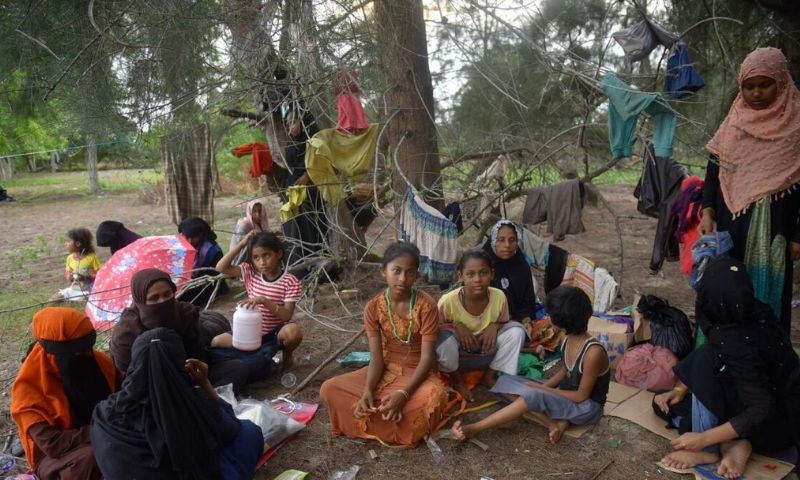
<point x="38" y="185"/>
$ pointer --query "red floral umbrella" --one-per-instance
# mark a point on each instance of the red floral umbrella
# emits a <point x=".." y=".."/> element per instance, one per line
<point x="111" y="292"/>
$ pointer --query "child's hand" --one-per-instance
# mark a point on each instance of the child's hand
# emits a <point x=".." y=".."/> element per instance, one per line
<point x="468" y="341"/>
<point x="253" y="302"/>
<point x="489" y="337"/>
<point x="392" y="406"/>
<point x="540" y="352"/>
<point x="365" y="406"/>
<point x="244" y="241"/>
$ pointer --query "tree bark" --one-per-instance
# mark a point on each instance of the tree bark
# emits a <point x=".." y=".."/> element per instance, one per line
<point x="412" y="131"/>
<point x="91" y="164"/>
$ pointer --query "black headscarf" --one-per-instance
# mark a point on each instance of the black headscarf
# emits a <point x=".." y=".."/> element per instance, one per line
<point x="512" y="276"/>
<point x="197" y="227"/>
<point x="182" y="317"/>
<point x="158" y="425"/>
<point x="743" y="332"/>
<point x="114" y="235"/>
<point x="84" y="382"/>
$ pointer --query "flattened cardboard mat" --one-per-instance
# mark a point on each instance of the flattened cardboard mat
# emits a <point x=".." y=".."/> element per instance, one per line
<point x="638" y="408"/>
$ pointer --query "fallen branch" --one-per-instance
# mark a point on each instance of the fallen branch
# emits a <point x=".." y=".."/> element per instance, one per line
<point x="325" y="362"/>
<point x="601" y="470"/>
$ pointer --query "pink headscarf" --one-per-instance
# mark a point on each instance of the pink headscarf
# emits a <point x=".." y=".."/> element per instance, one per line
<point x="248" y="221"/>
<point x="759" y="150"/>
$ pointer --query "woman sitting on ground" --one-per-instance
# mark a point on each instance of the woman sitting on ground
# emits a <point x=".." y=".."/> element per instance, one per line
<point x="476" y="333"/>
<point x="115" y="236"/>
<point x="154" y="306"/>
<point x="57" y="387"/>
<point x="573" y="396"/>
<point x="160" y="426"/>
<point x="398" y="398"/>
<point x="745" y="381"/>
<point x="255" y="218"/>
<point x="208" y="252"/>
<point x="512" y="275"/>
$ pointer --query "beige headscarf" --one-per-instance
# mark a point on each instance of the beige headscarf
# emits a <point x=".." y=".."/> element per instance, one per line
<point x="261" y="226"/>
<point x="759" y="150"/>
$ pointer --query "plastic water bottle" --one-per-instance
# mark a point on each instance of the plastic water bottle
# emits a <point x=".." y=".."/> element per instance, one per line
<point x="436" y="451"/>
<point x="288" y="380"/>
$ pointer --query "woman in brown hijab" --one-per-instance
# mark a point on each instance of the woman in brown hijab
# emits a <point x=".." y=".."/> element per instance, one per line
<point x="154" y="305"/>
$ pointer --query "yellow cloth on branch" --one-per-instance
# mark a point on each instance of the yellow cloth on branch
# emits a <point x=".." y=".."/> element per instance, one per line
<point x="330" y="151"/>
<point x="297" y="195"/>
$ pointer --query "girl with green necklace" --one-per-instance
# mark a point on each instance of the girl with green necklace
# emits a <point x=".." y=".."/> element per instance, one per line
<point x="397" y="399"/>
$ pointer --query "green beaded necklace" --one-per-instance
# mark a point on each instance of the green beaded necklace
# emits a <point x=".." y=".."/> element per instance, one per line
<point x="410" y="316"/>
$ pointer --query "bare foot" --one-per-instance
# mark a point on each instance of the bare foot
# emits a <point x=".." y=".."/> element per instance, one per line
<point x="463" y="391"/>
<point x="460" y="432"/>
<point x="735" y="455"/>
<point x="683" y="459"/>
<point x="557" y="429"/>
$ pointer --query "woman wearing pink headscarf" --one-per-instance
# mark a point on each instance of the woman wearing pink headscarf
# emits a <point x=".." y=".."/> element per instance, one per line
<point x="751" y="186"/>
<point x="255" y="219"/>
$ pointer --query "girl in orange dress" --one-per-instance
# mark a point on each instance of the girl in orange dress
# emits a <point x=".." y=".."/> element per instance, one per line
<point x="397" y="399"/>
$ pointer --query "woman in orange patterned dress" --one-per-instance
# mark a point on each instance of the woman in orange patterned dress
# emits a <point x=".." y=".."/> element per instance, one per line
<point x="397" y="399"/>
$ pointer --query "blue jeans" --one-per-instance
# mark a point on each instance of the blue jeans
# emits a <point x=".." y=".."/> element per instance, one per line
<point x="702" y="420"/>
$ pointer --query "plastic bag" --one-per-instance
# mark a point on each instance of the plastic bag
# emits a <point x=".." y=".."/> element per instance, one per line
<point x="275" y="426"/>
<point x="670" y="326"/>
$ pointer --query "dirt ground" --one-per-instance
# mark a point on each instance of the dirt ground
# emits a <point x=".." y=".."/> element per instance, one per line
<point x="516" y="451"/>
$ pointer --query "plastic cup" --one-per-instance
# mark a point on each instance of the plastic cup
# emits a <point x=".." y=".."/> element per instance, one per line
<point x="288" y="380"/>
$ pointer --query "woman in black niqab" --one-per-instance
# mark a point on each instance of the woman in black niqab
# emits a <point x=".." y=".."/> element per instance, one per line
<point x="159" y="426"/>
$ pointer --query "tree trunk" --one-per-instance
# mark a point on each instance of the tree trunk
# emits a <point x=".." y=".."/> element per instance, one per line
<point x="91" y="164"/>
<point x="6" y="168"/>
<point x="412" y="131"/>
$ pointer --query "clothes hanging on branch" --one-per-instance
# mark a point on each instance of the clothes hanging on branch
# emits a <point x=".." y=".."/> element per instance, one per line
<point x="352" y="118"/>
<point x="559" y="204"/>
<point x="453" y="213"/>
<point x="658" y="188"/>
<point x="190" y="173"/>
<point x="296" y="195"/>
<point x="330" y="151"/>
<point x="640" y="39"/>
<point x="556" y="266"/>
<point x="685" y="216"/>
<point x="434" y="235"/>
<point x="262" y="158"/>
<point x="681" y="79"/>
<point x="626" y="103"/>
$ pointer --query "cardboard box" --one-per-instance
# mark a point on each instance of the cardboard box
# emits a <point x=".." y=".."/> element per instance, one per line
<point x="615" y="336"/>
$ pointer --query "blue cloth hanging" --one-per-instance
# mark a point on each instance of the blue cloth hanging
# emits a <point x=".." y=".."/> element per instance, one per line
<point x="682" y="79"/>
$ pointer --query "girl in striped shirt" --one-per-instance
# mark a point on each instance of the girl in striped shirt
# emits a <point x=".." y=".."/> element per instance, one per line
<point x="269" y="288"/>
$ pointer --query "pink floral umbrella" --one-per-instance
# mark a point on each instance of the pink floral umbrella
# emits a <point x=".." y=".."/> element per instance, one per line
<point x="111" y="292"/>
